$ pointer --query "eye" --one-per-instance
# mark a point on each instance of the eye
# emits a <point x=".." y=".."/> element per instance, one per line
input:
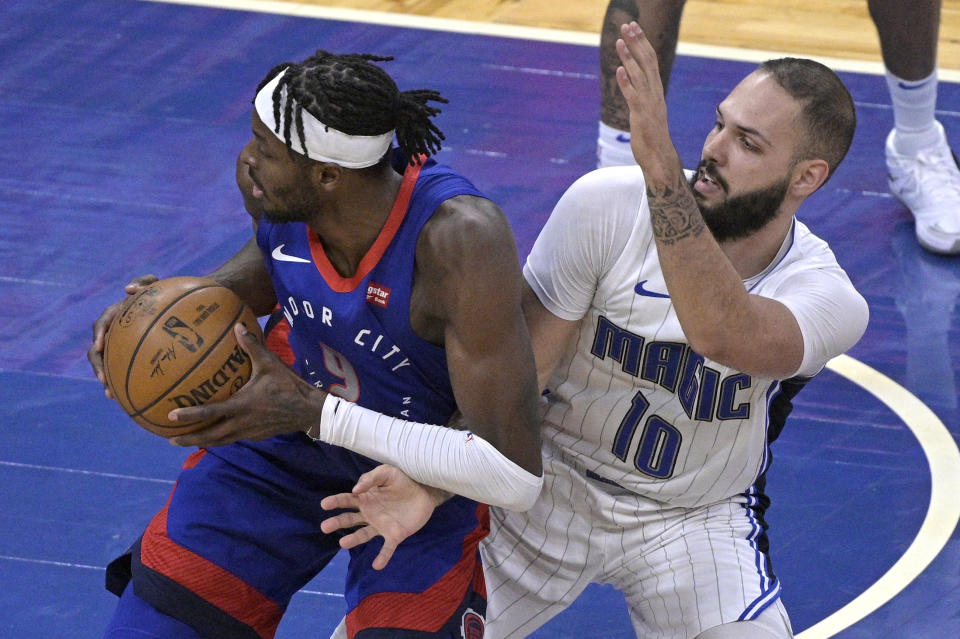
<point x="748" y="145"/>
<point x="717" y="125"/>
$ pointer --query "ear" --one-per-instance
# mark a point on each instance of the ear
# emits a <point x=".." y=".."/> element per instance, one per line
<point x="808" y="176"/>
<point x="326" y="175"/>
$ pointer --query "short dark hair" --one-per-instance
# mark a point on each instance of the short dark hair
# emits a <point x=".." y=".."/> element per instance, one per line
<point x="349" y="93"/>
<point x="827" y="109"/>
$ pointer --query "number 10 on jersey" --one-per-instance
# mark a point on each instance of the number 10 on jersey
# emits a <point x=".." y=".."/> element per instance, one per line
<point x="659" y="441"/>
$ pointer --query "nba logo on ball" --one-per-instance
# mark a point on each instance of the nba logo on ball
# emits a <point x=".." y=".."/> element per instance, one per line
<point x="471" y="625"/>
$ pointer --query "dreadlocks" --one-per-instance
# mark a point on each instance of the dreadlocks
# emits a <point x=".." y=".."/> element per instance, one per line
<point x="348" y="93"/>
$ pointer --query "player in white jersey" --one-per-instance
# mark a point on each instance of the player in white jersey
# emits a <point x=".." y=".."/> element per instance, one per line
<point x="666" y="422"/>
<point x="672" y="322"/>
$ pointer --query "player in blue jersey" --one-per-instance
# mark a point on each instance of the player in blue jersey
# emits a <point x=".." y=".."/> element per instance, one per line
<point x="396" y="335"/>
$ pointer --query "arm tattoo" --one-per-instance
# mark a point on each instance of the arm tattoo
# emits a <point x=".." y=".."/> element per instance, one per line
<point x="674" y="213"/>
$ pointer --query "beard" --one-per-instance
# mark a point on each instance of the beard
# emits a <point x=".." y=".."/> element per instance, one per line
<point x="287" y="215"/>
<point x="294" y="202"/>
<point x="739" y="216"/>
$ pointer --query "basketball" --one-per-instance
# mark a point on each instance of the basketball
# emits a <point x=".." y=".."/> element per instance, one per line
<point x="171" y="345"/>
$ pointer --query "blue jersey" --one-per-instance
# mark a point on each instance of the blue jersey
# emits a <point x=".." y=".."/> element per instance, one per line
<point x="351" y="335"/>
<point x="241" y="531"/>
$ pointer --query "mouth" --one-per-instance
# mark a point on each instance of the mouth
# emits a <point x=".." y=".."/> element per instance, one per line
<point x="256" y="190"/>
<point x="708" y="182"/>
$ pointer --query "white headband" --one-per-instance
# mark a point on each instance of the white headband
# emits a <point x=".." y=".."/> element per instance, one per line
<point x="323" y="143"/>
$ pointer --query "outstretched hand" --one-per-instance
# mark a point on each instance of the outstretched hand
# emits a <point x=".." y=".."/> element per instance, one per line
<point x="639" y="81"/>
<point x="384" y="502"/>
<point x="274" y="401"/>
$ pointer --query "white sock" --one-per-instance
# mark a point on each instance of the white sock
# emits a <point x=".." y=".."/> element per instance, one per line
<point x="613" y="147"/>
<point x="914" y="102"/>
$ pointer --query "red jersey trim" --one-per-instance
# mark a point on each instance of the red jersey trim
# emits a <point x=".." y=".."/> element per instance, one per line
<point x="278" y="341"/>
<point x="204" y="578"/>
<point x="430" y="610"/>
<point x="342" y="284"/>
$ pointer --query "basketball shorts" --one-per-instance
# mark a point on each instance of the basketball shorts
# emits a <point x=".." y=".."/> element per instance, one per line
<point x="240" y="534"/>
<point x="681" y="570"/>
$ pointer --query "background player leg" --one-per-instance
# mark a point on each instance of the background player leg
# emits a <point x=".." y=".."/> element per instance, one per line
<point x="660" y="20"/>
<point x="923" y="171"/>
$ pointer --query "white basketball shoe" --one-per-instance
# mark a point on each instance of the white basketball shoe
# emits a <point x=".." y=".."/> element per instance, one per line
<point x="929" y="185"/>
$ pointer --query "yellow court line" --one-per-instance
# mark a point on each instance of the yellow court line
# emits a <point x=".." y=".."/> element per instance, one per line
<point x="524" y="33"/>
<point x="943" y="512"/>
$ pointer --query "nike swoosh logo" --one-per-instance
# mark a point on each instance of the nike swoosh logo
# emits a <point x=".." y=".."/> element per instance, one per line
<point x="280" y="256"/>
<point x="912" y="87"/>
<point x="623" y="138"/>
<point x="642" y="291"/>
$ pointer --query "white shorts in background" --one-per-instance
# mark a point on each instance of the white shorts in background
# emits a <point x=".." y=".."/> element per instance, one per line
<point x="682" y="571"/>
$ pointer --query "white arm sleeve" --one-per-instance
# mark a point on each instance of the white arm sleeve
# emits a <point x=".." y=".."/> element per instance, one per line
<point x="453" y="460"/>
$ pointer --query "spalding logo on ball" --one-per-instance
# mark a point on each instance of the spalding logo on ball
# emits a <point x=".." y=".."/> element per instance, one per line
<point x="171" y="346"/>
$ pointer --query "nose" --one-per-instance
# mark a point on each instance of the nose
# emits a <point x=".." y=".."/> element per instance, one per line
<point x="247" y="156"/>
<point x="714" y="148"/>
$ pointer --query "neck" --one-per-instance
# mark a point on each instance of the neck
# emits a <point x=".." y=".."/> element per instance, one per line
<point x="752" y="254"/>
<point x="356" y="213"/>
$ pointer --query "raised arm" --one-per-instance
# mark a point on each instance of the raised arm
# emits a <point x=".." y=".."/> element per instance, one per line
<point x="714" y="308"/>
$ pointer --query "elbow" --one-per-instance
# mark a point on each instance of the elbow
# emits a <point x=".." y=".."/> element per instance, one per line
<point x="522" y="486"/>
<point x="525" y="496"/>
<point x="711" y="346"/>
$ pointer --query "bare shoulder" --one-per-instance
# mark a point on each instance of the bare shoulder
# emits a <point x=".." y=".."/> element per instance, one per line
<point x="467" y="268"/>
<point x="466" y="232"/>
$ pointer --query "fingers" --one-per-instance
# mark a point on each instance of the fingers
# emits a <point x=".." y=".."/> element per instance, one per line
<point x="638" y="59"/>
<point x="217" y="434"/>
<point x="383" y="558"/>
<point x="95" y="357"/>
<point x="204" y="412"/>
<point x="100" y="326"/>
<point x="341" y="500"/>
<point x="141" y="282"/>
<point x="623" y="81"/>
<point x="344" y="521"/>
<point x="358" y="538"/>
<point x="637" y="44"/>
<point x="248" y="341"/>
<point x="220" y="432"/>
<point x="259" y="354"/>
<point x="362" y="536"/>
<point x="373" y="478"/>
<point x="95" y="353"/>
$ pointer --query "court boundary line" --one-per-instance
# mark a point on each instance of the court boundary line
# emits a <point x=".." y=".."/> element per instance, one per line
<point x="79" y="471"/>
<point x="561" y="36"/>
<point x="70" y="564"/>
<point x="943" y="510"/>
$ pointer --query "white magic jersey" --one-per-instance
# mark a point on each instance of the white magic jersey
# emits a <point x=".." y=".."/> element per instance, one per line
<point x="630" y="400"/>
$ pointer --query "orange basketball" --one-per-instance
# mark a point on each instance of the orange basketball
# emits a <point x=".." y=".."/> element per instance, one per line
<point x="171" y="346"/>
